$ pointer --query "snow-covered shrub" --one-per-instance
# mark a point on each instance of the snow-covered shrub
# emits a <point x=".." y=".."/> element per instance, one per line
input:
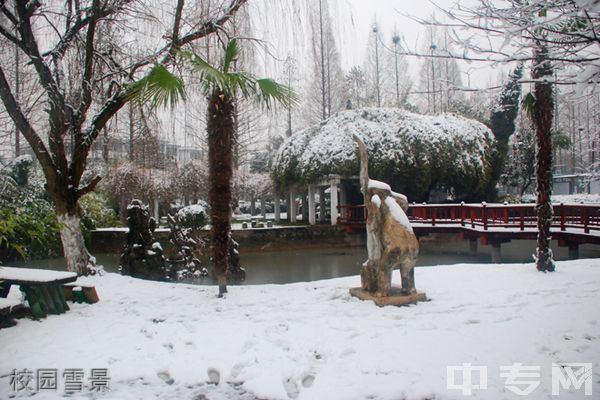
<point x="96" y="212"/>
<point x="28" y="225"/>
<point x="19" y="169"/>
<point x="414" y="153"/>
<point x="28" y="228"/>
<point x="193" y="216"/>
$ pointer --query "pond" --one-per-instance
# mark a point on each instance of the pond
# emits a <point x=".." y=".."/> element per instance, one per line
<point x="316" y="264"/>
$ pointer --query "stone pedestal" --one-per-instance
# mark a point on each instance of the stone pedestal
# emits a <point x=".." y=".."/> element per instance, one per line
<point x="396" y="298"/>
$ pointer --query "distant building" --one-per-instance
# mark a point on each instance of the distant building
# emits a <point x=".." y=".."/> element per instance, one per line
<point x="576" y="184"/>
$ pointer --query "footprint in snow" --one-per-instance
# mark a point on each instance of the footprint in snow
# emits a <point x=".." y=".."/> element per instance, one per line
<point x="347" y="352"/>
<point x="214" y="376"/>
<point x="291" y="388"/>
<point x="308" y="380"/>
<point x="145" y="332"/>
<point x="166" y="377"/>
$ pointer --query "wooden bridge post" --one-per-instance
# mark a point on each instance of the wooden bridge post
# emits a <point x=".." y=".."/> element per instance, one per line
<point x="522" y="218"/>
<point x="562" y="216"/>
<point x="484" y="216"/>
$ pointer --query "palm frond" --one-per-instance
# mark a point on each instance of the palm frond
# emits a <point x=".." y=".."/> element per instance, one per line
<point x="231" y="53"/>
<point x="270" y="91"/>
<point x="239" y="83"/>
<point x="210" y="76"/>
<point x="159" y="88"/>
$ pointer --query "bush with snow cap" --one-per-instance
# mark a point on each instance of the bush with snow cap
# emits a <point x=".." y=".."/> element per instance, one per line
<point x="414" y="153"/>
<point x="193" y="216"/>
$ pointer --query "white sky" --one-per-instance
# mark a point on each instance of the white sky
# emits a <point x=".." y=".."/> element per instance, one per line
<point x="354" y="20"/>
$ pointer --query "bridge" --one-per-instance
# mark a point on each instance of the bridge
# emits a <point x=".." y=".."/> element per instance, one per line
<point x="493" y="224"/>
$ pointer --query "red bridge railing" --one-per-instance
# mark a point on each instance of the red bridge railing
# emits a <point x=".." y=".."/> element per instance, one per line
<point x="485" y="216"/>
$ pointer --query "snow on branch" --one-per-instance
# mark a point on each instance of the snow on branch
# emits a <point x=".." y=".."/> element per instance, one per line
<point x="506" y="31"/>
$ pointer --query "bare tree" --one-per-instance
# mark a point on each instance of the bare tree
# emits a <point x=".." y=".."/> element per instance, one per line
<point x="356" y="85"/>
<point x="440" y="75"/>
<point x="60" y="39"/>
<point x="326" y="90"/>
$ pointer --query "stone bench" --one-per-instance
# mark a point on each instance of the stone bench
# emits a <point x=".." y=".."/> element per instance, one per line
<point x="42" y="288"/>
<point x="80" y="292"/>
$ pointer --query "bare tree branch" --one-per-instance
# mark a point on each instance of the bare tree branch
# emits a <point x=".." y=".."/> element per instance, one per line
<point x="21" y="121"/>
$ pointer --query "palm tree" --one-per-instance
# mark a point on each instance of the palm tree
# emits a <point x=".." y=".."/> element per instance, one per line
<point x="540" y="107"/>
<point x="222" y="86"/>
<point x="542" y="114"/>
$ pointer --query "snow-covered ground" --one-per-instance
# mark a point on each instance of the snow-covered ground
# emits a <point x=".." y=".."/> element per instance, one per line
<point x="313" y="341"/>
<point x="568" y="198"/>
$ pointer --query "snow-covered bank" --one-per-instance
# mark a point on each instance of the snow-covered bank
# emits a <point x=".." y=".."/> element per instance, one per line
<point x="313" y="341"/>
<point x="568" y="198"/>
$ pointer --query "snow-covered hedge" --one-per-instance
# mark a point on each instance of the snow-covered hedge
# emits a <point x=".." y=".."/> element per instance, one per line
<point x="193" y="216"/>
<point x="414" y="153"/>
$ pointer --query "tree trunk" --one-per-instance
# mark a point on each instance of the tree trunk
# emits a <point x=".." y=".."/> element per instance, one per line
<point x="542" y="118"/>
<point x="220" y="128"/>
<point x="76" y="254"/>
<point x="64" y="197"/>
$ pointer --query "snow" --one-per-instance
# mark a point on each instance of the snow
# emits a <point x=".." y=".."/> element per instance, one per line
<point x="592" y="5"/>
<point x="192" y="209"/>
<point x="33" y="275"/>
<point x="576" y="198"/>
<point x="568" y="198"/>
<point x="373" y="184"/>
<point x="22" y="159"/>
<point x="314" y="341"/>
<point x="9" y="303"/>
<point x="376" y="200"/>
<point x="398" y="213"/>
<point x="157" y="247"/>
<point x="400" y="196"/>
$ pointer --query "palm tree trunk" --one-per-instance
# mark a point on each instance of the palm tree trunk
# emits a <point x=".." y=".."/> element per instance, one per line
<point x="220" y="128"/>
<point x="542" y="115"/>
